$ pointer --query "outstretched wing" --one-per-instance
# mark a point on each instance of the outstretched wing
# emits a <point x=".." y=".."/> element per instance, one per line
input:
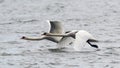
<point x="56" y="27"/>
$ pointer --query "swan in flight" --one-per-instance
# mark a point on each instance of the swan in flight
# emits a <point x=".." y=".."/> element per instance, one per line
<point x="55" y="28"/>
<point x="81" y="37"/>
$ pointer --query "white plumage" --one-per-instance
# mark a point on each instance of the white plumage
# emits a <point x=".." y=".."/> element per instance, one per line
<point x="78" y="37"/>
<point x="56" y="34"/>
<point x="81" y="38"/>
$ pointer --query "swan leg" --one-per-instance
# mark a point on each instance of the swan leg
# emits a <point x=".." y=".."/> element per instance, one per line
<point x="95" y="46"/>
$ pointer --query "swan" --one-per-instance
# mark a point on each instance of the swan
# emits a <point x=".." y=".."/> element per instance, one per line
<point x="55" y="28"/>
<point x="81" y="37"/>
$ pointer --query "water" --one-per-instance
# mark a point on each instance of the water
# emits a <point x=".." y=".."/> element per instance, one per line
<point x="28" y="18"/>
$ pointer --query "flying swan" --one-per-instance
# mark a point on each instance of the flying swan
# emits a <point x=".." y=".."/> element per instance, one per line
<point x="58" y="35"/>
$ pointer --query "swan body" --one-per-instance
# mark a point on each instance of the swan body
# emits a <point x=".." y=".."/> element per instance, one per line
<point x="81" y="37"/>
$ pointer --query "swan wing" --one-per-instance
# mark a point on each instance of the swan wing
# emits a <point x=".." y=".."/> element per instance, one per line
<point x="56" y="27"/>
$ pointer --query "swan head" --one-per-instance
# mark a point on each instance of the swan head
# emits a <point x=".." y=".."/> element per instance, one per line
<point x="45" y="33"/>
<point x="23" y="37"/>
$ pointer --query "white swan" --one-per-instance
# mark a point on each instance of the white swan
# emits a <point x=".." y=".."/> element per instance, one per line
<point x="56" y="28"/>
<point x="81" y="37"/>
